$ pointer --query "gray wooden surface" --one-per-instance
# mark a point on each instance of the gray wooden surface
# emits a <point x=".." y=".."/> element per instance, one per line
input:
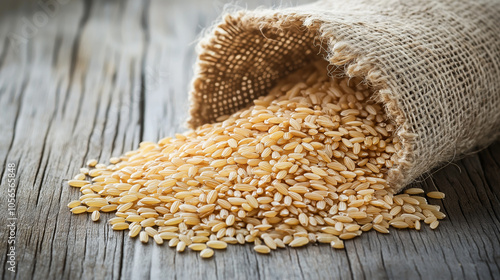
<point x="84" y="79"/>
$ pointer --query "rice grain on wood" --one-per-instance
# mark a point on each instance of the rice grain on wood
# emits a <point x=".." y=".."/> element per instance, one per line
<point x="306" y="163"/>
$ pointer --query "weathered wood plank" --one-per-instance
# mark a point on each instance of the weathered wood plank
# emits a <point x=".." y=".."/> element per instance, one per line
<point x="96" y="78"/>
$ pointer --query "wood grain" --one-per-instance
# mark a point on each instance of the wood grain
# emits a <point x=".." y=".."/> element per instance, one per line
<point x="97" y="77"/>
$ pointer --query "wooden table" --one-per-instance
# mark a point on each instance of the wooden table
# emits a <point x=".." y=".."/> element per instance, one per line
<point x="83" y="80"/>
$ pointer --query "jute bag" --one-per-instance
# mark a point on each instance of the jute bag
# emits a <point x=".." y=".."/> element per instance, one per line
<point x="434" y="64"/>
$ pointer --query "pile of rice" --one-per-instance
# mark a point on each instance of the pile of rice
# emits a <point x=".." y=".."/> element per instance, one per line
<point x="306" y="163"/>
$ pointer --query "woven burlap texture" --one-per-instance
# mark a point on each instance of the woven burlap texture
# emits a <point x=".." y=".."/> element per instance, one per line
<point x="435" y="65"/>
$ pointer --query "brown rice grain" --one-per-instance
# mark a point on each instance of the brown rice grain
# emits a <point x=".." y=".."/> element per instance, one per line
<point x="436" y="195"/>
<point x="95" y="215"/>
<point x="197" y="246"/>
<point x="298" y="242"/>
<point x="180" y="246"/>
<point x="217" y="244"/>
<point x="262" y="249"/>
<point x="143" y="237"/>
<point x="434" y="224"/>
<point x="206" y="253"/>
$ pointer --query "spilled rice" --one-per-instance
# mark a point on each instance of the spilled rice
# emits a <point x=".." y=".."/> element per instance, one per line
<point x="307" y="163"/>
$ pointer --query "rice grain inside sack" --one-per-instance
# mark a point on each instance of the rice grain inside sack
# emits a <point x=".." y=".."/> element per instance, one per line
<point x="435" y="65"/>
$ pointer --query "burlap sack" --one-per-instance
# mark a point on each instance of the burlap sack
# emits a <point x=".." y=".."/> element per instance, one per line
<point x="434" y="64"/>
